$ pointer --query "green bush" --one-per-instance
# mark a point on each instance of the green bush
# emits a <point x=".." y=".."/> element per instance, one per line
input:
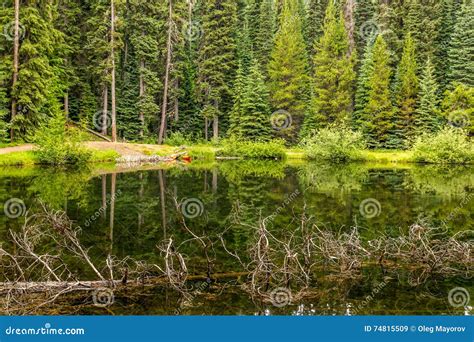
<point x="274" y="149"/>
<point x="178" y="139"/>
<point x="58" y="144"/>
<point x="337" y="145"/>
<point x="449" y="146"/>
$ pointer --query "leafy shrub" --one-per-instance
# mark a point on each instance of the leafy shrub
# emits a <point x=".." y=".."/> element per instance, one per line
<point x="178" y="139"/>
<point x="449" y="146"/>
<point x="334" y="144"/>
<point x="60" y="145"/>
<point x="274" y="149"/>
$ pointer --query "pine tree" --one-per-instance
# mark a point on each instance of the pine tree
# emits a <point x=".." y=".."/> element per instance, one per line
<point x="37" y="92"/>
<point x="216" y="61"/>
<point x="254" y="122"/>
<point x="461" y="53"/>
<point x="458" y="107"/>
<point x="266" y="32"/>
<point x="378" y="113"/>
<point x="315" y="22"/>
<point x="362" y="92"/>
<point x="449" y="9"/>
<point x="238" y="97"/>
<point x="333" y="75"/>
<point x="428" y="118"/>
<point x="422" y="22"/>
<point x="365" y="24"/>
<point x="406" y="90"/>
<point x="288" y="78"/>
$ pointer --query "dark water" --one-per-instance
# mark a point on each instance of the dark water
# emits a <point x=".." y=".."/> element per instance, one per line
<point x="230" y="198"/>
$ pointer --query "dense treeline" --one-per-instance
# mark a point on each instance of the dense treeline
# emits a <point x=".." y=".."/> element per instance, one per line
<point x="143" y="70"/>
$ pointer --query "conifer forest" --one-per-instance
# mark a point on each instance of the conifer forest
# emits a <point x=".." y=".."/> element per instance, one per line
<point x="236" y="157"/>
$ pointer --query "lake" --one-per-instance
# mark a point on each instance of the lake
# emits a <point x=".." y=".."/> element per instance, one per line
<point x="212" y="214"/>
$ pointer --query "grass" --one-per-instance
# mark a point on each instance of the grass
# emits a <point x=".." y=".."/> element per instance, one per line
<point x="387" y="156"/>
<point x="104" y="156"/>
<point x="19" y="159"/>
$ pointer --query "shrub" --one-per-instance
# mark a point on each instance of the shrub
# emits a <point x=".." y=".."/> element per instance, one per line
<point x="178" y="139"/>
<point x="334" y="144"/>
<point x="60" y="145"/>
<point x="274" y="149"/>
<point x="449" y="146"/>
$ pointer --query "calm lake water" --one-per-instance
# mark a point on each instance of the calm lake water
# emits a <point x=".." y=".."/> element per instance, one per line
<point x="378" y="199"/>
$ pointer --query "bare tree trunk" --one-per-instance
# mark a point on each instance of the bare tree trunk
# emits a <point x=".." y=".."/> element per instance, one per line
<point x="349" y="10"/>
<point x="112" y="206"/>
<point x="66" y="105"/>
<point x="105" y="109"/>
<point x="104" y="196"/>
<point x="215" y="128"/>
<point x="16" y="48"/>
<point x="206" y="135"/>
<point x="164" y="108"/>
<point x="214" y="180"/>
<point x="162" y="200"/>
<point x="112" y="89"/>
<point x="142" y="93"/>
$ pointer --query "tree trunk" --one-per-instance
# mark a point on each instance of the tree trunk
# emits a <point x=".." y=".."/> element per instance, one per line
<point x="16" y="49"/>
<point x="215" y="128"/>
<point x="105" y="109"/>
<point x="349" y="10"/>
<point x="161" y="180"/>
<point x="112" y="89"/>
<point x="164" y="108"/>
<point x="142" y="93"/>
<point x="66" y="105"/>
<point x="206" y="135"/>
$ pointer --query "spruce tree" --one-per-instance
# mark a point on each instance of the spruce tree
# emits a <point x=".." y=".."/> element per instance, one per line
<point x="266" y="32"/>
<point x="217" y="60"/>
<point x="362" y="92"/>
<point x="461" y="52"/>
<point x="365" y="24"/>
<point x="287" y="70"/>
<point x="406" y="90"/>
<point x="315" y="22"/>
<point x="254" y="121"/>
<point x="378" y="113"/>
<point x="428" y="118"/>
<point x="333" y="75"/>
<point x="458" y="107"/>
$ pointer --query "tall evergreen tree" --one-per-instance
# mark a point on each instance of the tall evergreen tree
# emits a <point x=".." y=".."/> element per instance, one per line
<point x="362" y="92"/>
<point x="378" y="113"/>
<point x="365" y="24"/>
<point x="315" y="22"/>
<point x="333" y="75"/>
<point x="216" y="60"/>
<point x="406" y="90"/>
<point x="461" y="53"/>
<point x="428" y="117"/>
<point x="266" y="32"/>
<point x="288" y="78"/>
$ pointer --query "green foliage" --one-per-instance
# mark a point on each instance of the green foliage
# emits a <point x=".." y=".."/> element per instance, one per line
<point x="59" y="145"/>
<point x="333" y="144"/>
<point x="333" y="75"/>
<point x="461" y="54"/>
<point x="274" y="149"/>
<point x="458" y="107"/>
<point x="406" y="92"/>
<point x="362" y="92"/>
<point x="288" y="69"/>
<point x="178" y="139"/>
<point x="266" y="32"/>
<point x="428" y="114"/>
<point x="379" y="112"/>
<point x="449" y="146"/>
